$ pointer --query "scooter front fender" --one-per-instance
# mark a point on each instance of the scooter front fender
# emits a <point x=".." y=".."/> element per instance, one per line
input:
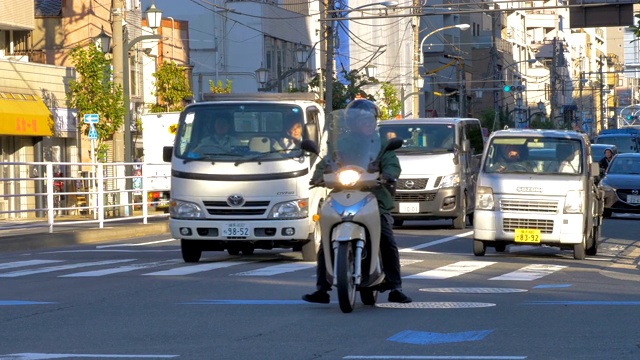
<point x="348" y="231"/>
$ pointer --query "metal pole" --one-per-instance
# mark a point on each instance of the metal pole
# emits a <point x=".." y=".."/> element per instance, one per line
<point x="403" y="99"/>
<point x="328" y="94"/>
<point x="601" y="93"/>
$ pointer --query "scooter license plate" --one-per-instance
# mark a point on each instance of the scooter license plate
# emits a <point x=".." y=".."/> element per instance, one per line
<point x="235" y="229"/>
<point x="411" y="208"/>
<point x="527" y="236"/>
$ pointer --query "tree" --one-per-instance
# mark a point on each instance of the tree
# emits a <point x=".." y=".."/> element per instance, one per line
<point x="219" y="89"/>
<point x="391" y="105"/>
<point x="172" y="87"/>
<point x="93" y="92"/>
<point x="343" y="94"/>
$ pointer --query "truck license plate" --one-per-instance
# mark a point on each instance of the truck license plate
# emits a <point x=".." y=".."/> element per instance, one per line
<point x="412" y="208"/>
<point x="235" y="229"/>
<point x="527" y="236"/>
<point x="633" y="199"/>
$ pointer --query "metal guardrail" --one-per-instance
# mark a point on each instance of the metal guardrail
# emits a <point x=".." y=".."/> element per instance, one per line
<point x="28" y="198"/>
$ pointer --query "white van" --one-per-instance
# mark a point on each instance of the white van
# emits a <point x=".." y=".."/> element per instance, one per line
<point x="248" y="192"/>
<point x="536" y="187"/>
<point x="440" y="160"/>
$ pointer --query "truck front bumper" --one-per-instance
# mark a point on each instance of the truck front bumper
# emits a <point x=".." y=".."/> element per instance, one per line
<point x="296" y="230"/>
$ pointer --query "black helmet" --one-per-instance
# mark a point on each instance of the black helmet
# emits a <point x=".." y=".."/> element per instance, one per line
<point x="361" y="111"/>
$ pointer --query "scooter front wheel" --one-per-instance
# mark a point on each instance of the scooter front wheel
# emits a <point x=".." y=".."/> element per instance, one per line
<point x="345" y="267"/>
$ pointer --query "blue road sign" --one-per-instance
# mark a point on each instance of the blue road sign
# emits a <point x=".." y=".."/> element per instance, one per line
<point x="90" y="118"/>
<point x="93" y="134"/>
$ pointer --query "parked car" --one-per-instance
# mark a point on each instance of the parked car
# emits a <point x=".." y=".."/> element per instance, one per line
<point x="621" y="185"/>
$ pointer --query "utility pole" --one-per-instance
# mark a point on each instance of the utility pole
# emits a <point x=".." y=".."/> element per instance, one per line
<point x="416" y="51"/>
<point x="600" y="73"/>
<point x="328" y="94"/>
<point x="118" y="60"/>
<point x="497" y="75"/>
<point x="553" y="80"/>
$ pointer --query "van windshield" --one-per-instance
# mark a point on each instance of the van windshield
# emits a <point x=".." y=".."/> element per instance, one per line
<point x="421" y="138"/>
<point x="624" y="143"/>
<point x="240" y="132"/>
<point x="534" y="156"/>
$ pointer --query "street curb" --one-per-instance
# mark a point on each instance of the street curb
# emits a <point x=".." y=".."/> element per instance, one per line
<point x="81" y="236"/>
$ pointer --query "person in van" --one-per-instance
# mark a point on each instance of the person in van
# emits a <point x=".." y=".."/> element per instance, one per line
<point x="567" y="157"/>
<point x="218" y="132"/>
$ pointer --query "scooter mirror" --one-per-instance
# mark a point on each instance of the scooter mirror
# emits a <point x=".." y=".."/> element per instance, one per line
<point x="394" y="144"/>
<point x="310" y="146"/>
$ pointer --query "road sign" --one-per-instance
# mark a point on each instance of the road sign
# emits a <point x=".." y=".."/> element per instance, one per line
<point x="93" y="134"/>
<point x="90" y="118"/>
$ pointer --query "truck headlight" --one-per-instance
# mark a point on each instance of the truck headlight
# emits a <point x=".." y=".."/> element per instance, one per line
<point x="179" y="209"/>
<point x="452" y="180"/>
<point x="484" y="198"/>
<point x="573" y="202"/>
<point x="294" y="209"/>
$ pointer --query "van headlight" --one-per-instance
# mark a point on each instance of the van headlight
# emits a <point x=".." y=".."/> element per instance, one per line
<point x="484" y="198"/>
<point x="179" y="209"/>
<point x="452" y="180"/>
<point x="295" y="209"/>
<point x="573" y="202"/>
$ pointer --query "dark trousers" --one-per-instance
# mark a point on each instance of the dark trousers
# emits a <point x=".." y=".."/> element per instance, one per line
<point x="388" y="250"/>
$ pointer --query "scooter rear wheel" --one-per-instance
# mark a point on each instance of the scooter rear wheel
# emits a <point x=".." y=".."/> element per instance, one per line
<point x="368" y="296"/>
<point x="344" y="273"/>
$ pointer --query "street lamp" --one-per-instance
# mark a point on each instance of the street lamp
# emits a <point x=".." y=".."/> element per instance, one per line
<point x="103" y="42"/>
<point x="262" y="74"/>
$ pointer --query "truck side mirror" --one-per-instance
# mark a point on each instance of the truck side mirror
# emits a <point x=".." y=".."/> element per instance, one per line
<point x="595" y="169"/>
<point x="167" y="152"/>
<point x="310" y="146"/>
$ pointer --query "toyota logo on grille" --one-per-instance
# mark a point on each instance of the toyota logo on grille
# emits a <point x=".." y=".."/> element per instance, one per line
<point x="409" y="184"/>
<point x="235" y="200"/>
<point x="634" y="191"/>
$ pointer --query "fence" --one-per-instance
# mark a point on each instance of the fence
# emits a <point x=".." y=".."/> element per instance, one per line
<point x="33" y="196"/>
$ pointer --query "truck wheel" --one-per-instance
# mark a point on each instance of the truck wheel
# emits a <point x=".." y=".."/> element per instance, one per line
<point x="592" y="250"/>
<point x="606" y="213"/>
<point x="479" y="248"/>
<point x="233" y="250"/>
<point x="500" y="247"/>
<point x="460" y="222"/>
<point x="579" y="252"/>
<point x="310" y="249"/>
<point x="248" y="250"/>
<point x="191" y="252"/>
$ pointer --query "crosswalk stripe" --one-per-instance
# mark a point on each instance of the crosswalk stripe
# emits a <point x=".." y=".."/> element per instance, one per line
<point x="61" y="267"/>
<point x="188" y="270"/>
<point x="451" y="270"/>
<point x="24" y="263"/>
<point x="529" y="273"/>
<point x="122" y="269"/>
<point x="277" y="269"/>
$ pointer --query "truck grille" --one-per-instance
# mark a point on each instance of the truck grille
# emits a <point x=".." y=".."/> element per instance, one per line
<point x="510" y="225"/>
<point x="413" y="197"/>
<point x="249" y="208"/>
<point x="528" y="206"/>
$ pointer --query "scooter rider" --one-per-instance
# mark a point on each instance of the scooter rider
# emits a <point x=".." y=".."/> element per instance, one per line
<point x="364" y="122"/>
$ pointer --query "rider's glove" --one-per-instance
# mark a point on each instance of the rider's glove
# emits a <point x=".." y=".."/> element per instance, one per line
<point x="315" y="182"/>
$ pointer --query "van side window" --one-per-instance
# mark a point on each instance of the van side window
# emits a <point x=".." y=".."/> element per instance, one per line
<point x="473" y="133"/>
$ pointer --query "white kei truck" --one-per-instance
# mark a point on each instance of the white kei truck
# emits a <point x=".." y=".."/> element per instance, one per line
<point x="245" y="192"/>
<point x="158" y="131"/>
<point x="537" y="187"/>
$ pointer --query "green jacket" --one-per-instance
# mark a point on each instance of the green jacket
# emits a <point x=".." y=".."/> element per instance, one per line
<point x="389" y="164"/>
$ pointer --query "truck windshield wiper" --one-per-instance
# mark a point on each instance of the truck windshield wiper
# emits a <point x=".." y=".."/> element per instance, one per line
<point x="206" y="156"/>
<point x="265" y="154"/>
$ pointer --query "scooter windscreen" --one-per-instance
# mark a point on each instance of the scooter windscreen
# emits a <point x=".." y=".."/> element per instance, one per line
<point x="353" y="138"/>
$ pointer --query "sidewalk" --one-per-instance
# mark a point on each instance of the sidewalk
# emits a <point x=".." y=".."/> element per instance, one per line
<point x="32" y="234"/>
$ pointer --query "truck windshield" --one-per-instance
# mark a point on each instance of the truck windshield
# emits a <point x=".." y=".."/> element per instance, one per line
<point x="422" y="138"/>
<point x="534" y="156"/>
<point x="239" y="132"/>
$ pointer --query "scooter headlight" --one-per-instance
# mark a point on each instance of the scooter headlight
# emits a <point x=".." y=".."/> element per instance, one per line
<point x="348" y="177"/>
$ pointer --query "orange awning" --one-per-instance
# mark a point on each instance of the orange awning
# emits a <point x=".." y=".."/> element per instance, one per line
<point x="24" y="115"/>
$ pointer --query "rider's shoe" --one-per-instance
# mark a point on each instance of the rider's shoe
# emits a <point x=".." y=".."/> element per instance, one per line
<point x="319" y="297"/>
<point x="397" y="296"/>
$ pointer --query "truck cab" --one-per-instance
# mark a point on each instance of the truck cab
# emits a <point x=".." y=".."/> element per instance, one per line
<point x="248" y="188"/>
<point x="537" y="187"/>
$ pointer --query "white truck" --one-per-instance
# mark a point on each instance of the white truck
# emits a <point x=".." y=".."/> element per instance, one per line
<point x="245" y="194"/>
<point x="158" y="131"/>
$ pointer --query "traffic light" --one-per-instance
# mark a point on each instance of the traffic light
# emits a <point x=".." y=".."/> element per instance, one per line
<point x="513" y="88"/>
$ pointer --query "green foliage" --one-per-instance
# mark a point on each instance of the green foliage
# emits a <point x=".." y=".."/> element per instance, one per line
<point x="636" y="29"/>
<point x="219" y="88"/>
<point x="93" y="92"/>
<point x="488" y="120"/>
<point x="343" y="94"/>
<point x="539" y="122"/>
<point x="390" y="106"/>
<point x="172" y="86"/>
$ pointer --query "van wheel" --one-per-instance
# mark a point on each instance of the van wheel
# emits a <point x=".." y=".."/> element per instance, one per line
<point x="232" y="250"/>
<point x="479" y="248"/>
<point x="461" y="221"/>
<point x="191" y="252"/>
<point x="248" y="250"/>
<point x="500" y="247"/>
<point x="592" y="250"/>
<point x="310" y="249"/>
<point x="398" y="222"/>
<point x="579" y="252"/>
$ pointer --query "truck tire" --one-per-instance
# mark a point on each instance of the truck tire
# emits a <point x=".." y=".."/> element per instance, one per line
<point x="579" y="250"/>
<point x="460" y="222"/>
<point x="310" y="249"/>
<point x="191" y="252"/>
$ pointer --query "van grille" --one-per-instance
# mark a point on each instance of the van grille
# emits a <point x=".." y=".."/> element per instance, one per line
<point x="412" y="184"/>
<point x="249" y="208"/>
<point x="412" y="197"/>
<point x="510" y="225"/>
<point x="528" y="206"/>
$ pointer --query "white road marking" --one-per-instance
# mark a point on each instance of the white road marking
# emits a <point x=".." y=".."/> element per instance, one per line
<point x="16" y="264"/>
<point x="529" y="273"/>
<point x="135" y="244"/>
<point x="45" y="356"/>
<point x="436" y="242"/>
<point x="277" y="269"/>
<point x="122" y="269"/>
<point x="62" y="267"/>
<point x="188" y="270"/>
<point x="451" y="270"/>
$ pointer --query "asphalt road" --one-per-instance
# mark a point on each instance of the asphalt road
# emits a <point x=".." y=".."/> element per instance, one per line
<point x="135" y="298"/>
